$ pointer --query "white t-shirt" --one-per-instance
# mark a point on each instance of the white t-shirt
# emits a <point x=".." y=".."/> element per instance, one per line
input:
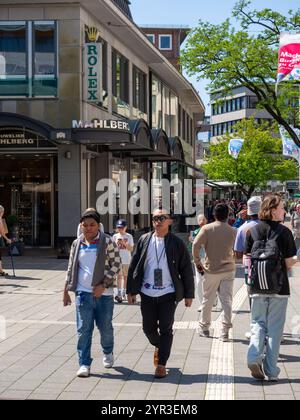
<point x="86" y="264"/>
<point x="148" y="287"/>
<point x="124" y="253"/>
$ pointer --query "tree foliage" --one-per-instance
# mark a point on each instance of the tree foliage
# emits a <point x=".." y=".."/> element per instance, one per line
<point x="259" y="161"/>
<point x="247" y="56"/>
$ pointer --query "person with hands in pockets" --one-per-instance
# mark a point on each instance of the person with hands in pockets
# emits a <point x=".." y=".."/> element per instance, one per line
<point x="94" y="263"/>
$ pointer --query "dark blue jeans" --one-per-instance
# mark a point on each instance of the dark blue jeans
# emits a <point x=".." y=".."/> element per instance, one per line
<point x="158" y="319"/>
<point x="91" y="311"/>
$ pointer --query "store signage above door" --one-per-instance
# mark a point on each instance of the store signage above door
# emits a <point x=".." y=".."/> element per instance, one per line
<point x="101" y="125"/>
<point x="93" y="66"/>
<point x="20" y="138"/>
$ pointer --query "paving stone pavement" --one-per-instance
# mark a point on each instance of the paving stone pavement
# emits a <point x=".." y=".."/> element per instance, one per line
<point x="38" y="358"/>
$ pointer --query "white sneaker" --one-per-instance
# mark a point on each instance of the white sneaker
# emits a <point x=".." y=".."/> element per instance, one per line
<point x="83" y="372"/>
<point x="108" y="360"/>
<point x="248" y="335"/>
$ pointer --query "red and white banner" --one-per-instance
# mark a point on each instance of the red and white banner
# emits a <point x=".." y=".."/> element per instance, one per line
<point x="289" y="57"/>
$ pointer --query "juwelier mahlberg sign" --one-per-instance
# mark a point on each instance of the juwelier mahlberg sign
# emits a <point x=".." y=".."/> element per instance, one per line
<point x="20" y="138"/>
<point x="92" y="66"/>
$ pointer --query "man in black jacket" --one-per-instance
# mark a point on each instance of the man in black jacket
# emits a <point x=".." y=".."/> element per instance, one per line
<point x="161" y="272"/>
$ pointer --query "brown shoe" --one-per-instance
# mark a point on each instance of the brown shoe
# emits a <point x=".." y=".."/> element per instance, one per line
<point x="160" y="372"/>
<point x="155" y="357"/>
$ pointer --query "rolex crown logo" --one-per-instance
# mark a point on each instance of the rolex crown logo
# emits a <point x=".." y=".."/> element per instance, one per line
<point x="92" y="34"/>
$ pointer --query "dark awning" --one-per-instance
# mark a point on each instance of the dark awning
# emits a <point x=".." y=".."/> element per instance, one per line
<point x="10" y="120"/>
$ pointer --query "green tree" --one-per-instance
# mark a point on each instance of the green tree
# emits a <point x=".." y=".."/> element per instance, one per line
<point x="259" y="161"/>
<point x="247" y="56"/>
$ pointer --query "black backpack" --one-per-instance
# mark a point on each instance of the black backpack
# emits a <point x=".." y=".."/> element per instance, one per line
<point x="267" y="264"/>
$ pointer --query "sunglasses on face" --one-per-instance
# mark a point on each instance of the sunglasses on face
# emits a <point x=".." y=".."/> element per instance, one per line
<point x="160" y="219"/>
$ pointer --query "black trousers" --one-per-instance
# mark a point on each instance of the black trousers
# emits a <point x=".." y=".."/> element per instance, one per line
<point x="158" y="319"/>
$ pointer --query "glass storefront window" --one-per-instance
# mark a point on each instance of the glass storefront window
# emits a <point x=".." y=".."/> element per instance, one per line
<point x="27" y="193"/>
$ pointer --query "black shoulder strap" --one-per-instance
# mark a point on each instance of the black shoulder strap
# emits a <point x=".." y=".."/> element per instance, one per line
<point x="255" y="233"/>
<point x="268" y="234"/>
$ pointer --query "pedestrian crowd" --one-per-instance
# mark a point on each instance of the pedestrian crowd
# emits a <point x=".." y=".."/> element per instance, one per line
<point x="159" y="270"/>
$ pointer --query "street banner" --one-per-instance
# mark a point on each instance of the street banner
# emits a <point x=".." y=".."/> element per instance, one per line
<point x="235" y="147"/>
<point x="289" y="58"/>
<point x="289" y="147"/>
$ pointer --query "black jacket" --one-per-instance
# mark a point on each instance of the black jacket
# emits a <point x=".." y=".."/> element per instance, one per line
<point x="179" y="263"/>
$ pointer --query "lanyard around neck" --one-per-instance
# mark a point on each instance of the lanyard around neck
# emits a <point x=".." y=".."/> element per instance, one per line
<point x="156" y="252"/>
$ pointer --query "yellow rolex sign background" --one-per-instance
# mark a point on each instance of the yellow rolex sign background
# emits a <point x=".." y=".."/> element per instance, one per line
<point x="93" y="70"/>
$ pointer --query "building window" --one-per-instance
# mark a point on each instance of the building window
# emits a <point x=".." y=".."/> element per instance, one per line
<point x="179" y="120"/>
<point x="28" y="59"/>
<point x="166" y="109"/>
<point x="151" y="38"/>
<point x="156" y="103"/>
<point x="173" y="115"/>
<point x="139" y="90"/>
<point x="104" y="75"/>
<point x="165" y="42"/>
<point x="120" y="84"/>
<point x="253" y="101"/>
<point x="44" y="59"/>
<point x="183" y="124"/>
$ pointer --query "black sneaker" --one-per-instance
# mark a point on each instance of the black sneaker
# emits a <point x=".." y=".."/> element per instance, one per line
<point x="118" y="299"/>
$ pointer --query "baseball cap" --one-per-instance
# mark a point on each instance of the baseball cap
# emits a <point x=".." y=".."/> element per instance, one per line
<point x="121" y="223"/>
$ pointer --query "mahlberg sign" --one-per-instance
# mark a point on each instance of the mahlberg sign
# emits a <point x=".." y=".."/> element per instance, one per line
<point x="101" y="124"/>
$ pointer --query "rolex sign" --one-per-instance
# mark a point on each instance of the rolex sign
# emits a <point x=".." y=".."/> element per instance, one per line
<point x="92" y="67"/>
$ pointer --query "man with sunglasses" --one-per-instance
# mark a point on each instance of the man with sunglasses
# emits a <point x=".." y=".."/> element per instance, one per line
<point x="161" y="273"/>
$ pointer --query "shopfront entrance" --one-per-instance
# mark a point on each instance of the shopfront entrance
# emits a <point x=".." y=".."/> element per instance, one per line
<point x="27" y="192"/>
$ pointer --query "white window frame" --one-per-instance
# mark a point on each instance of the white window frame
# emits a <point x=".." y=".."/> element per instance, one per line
<point x="153" y="38"/>
<point x="170" y="36"/>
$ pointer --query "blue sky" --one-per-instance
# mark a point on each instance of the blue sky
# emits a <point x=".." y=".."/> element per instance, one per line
<point x="188" y="12"/>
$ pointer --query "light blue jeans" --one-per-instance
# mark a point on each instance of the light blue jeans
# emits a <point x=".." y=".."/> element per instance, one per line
<point x="268" y="316"/>
<point x="89" y="311"/>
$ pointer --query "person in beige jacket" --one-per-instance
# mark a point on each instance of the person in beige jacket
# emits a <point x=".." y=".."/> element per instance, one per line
<point x="218" y="240"/>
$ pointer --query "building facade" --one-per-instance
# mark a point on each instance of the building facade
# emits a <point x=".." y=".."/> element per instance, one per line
<point x="86" y="97"/>
<point x="168" y="39"/>
<point x="227" y="111"/>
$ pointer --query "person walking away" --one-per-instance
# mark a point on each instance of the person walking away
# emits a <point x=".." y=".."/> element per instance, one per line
<point x="296" y="225"/>
<point x="161" y="273"/>
<point x="125" y="245"/>
<point x="268" y="312"/>
<point x="219" y="269"/>
<point x="253" y="209"/>
<point x="202" y="221"/>
<point x="94" y="262"/>
<point x="3" y="237"/>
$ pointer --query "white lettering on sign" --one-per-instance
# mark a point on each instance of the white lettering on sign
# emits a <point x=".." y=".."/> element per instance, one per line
<point x="101" y="124"/>
<point x="16" y="141"/>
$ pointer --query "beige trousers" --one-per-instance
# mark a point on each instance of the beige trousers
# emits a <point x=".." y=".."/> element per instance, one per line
<point x="223" y="285"/>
